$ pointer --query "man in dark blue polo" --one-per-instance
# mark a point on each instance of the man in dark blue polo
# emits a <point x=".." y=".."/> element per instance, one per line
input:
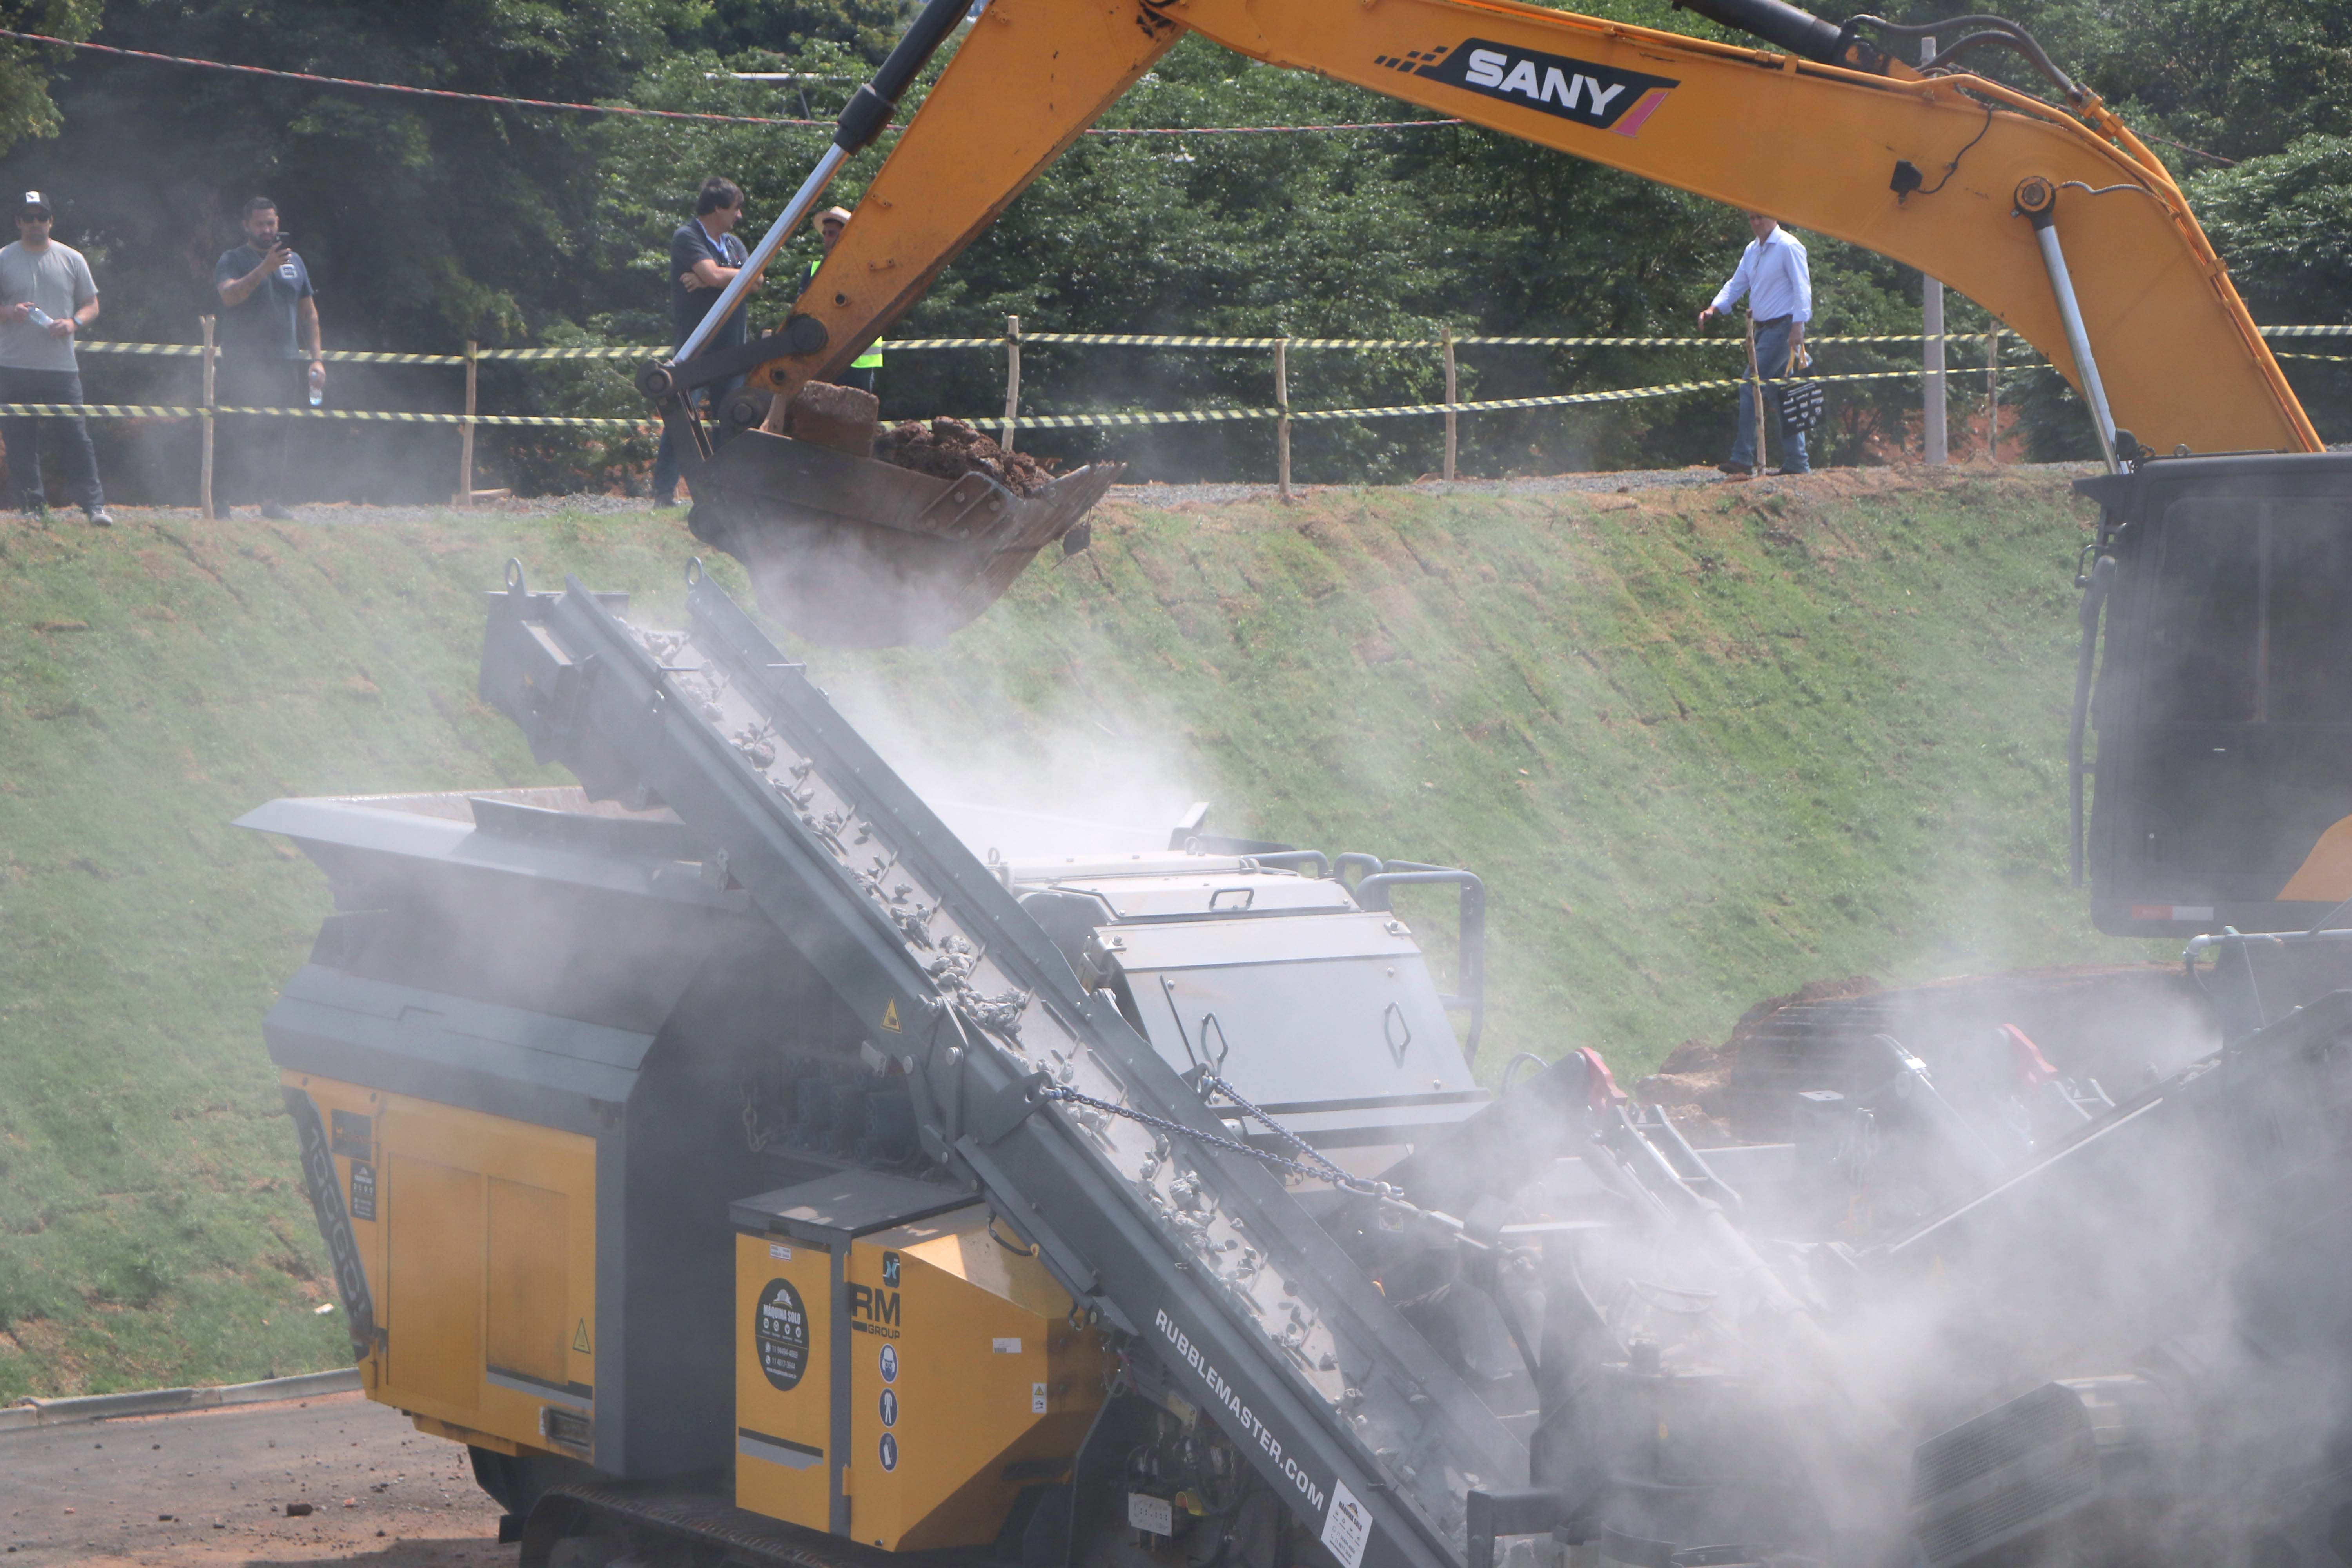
<point x="704" y="257"/>
<point x="270" y="356"/>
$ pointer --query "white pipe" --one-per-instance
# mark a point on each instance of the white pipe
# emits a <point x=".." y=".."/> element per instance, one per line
<point x="2078" y="340"/>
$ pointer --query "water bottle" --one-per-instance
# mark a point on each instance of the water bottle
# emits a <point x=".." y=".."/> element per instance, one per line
<point x="317" y="384"/>
<point x="40" y="317"/>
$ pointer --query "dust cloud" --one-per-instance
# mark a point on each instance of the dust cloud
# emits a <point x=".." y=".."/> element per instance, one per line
<point x="1030" y="781"/>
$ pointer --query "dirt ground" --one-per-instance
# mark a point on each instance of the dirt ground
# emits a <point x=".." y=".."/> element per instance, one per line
<point x="212" y="1487"/>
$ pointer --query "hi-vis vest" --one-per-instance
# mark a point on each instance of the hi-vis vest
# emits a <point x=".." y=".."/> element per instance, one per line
<point x="872" y="358"/>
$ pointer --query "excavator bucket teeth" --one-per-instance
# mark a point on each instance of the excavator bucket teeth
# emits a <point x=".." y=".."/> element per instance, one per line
<point x="852" y="553"/>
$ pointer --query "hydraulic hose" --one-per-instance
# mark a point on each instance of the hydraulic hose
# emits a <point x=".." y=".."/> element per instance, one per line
<point x="872" y="105"/>
<point x="1786" y="26"/>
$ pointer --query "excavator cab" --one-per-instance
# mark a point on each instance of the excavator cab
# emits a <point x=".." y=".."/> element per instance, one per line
<point x="2221" y="708"/>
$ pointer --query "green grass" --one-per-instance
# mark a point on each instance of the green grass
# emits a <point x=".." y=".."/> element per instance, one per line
<point x="1705" y="746"/>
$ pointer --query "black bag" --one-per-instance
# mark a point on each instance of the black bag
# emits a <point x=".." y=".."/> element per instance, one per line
<point x="1801" y="403"/>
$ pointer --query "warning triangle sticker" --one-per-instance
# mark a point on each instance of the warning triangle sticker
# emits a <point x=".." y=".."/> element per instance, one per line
<point x="890" y="1015"/>
<point x="580" y="1338"/>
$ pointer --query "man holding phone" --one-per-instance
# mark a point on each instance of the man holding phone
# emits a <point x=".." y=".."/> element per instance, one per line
<point x="50" y="298"/>
<point x="270" y="355"/>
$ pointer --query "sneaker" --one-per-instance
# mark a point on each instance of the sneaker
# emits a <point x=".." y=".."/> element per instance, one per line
<point x="1738" y="470"/>
<point x="34" y="507"/>
<point x="98" y="516"/>
<point x="665" y="503"/>
<point x="276" y="513"/>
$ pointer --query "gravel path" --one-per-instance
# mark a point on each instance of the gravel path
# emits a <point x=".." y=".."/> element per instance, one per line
<point x="211" y="1488"/>
<point x="1617" y="483"/>
<point x="1555" y="484"/>
<point x="1151" y="495"/>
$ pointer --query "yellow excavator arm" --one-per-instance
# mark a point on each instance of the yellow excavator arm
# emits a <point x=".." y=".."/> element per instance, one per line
<point x="1967" y="179"/>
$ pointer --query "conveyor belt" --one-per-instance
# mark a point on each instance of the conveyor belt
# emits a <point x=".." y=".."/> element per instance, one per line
<point x="1260" y="1319"/>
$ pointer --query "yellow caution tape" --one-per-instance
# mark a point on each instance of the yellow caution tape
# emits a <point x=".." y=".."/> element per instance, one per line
<point x="192" y="350"/>
<point x="1297" y="415"/>
<point x="362" y="356"/>
<point x="144" y="411"/>
<point x="1026" y="421"/>
<point x="1146" y="339"/>
<point x="1134" y="340"/>
<point x="627" y="354"/>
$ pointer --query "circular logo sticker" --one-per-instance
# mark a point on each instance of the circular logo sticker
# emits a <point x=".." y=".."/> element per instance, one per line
<point x="889" y="1407"/>
<point x="781" y="1330"/>
<point x="889" y="1364"/>
<point x="890" y="1452"/>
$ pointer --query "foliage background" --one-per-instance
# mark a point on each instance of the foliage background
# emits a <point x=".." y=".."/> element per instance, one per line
<point x="427" y="223"/>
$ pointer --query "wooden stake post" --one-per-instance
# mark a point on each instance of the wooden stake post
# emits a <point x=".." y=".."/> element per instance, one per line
<point x="204" y="463"/>
<point x="1756" y="391"/>
<point x="1452" y="445"/>
<point x="465" y="430"/>
<point x="1282" y="426"/>
<point x="1933" y="400"/>
<point x="1993" y="394"/>
<point x="1012" y="381"/>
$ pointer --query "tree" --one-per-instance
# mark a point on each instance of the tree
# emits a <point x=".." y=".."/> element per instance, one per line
<point x="429" y="223"/>
<point x="2284" y="222"/>
<point x="26" y="107"/>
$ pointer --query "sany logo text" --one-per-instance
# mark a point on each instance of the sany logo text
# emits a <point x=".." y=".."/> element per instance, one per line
<point x="1603" y="97"/>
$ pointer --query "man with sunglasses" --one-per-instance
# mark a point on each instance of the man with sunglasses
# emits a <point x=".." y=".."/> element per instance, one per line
<point x="51" y="297"/>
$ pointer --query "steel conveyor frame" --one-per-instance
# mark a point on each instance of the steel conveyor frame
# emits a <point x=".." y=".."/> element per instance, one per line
<point x="1332" y="1397"/>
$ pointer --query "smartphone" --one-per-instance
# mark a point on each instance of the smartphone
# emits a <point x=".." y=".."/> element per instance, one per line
<point x="284" y="239"/>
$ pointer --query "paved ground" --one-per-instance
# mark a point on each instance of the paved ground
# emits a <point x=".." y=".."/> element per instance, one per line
<point x="211" y="1488"/>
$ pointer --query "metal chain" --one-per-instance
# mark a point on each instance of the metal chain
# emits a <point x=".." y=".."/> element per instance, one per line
<point x="1333" y="1174"/>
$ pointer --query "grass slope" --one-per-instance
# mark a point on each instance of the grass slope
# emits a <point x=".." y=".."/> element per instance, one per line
<point x="1703" y="745"/>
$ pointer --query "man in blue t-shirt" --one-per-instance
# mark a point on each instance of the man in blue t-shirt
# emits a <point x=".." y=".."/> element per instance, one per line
<point x="704" y="257"/>
<point x="270" y="356"/>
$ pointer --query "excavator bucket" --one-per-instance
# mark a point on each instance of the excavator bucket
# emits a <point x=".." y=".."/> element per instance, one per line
<point x="852" y="553"/>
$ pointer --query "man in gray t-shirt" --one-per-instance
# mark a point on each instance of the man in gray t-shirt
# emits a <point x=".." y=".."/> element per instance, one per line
<point x="45" y="296"/>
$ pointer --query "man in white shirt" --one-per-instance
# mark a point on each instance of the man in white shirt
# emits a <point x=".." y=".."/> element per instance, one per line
<point x="45" y="296"/>
<point x="1779" y="287"/>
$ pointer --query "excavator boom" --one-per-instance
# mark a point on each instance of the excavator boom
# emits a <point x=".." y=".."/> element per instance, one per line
<point x="1824" y="147"/>
<point x="2056" y="219"/>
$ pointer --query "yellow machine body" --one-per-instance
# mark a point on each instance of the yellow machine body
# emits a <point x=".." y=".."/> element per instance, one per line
<point x="899" y="1383"/>
<point x="476" y="1237"/>
<point x="784" y="1378"/>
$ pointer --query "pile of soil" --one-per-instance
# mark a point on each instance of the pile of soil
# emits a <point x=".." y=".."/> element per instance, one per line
<point x="949" y="448"/>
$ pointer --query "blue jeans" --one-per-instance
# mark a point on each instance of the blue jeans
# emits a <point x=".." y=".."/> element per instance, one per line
<point x="1771" y="359"/>
<point x="22" y="433"/>
<point x="703" y="400"/>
